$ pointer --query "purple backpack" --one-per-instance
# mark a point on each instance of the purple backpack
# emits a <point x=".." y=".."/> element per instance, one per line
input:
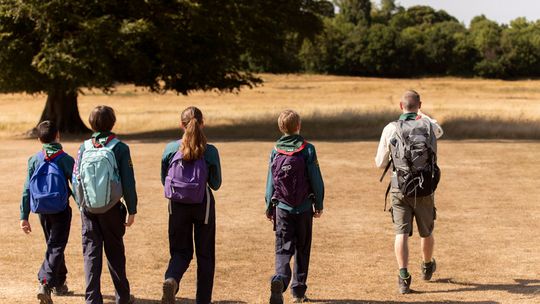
<point x="186" y="181"/>
<point x="289" y="174"/>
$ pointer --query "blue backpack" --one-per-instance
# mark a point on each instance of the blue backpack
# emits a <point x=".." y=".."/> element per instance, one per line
<point x="48" y="186"/>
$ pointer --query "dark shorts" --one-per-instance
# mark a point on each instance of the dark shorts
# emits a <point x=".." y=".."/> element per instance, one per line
<point x="404" y="209"/>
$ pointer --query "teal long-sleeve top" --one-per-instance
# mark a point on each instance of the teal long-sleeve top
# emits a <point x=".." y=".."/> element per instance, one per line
<point x="291" y="143"/>
<point x="211" y="156"/>
<point x="125" y="168"/>
<point x="65" y="164"/>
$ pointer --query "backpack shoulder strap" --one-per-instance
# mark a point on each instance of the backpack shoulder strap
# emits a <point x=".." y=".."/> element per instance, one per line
<point x="112" y="143"/>
<point x="88" y="144"/>
<point x="40" y="156"/>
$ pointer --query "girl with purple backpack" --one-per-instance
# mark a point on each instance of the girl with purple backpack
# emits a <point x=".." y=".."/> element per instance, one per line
<point x="190" y="170"/>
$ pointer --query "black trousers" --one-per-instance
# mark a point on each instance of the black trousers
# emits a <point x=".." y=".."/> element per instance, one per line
<point x="105" y="231"/>
<point x="186" y="224"/>
<point x="56" y="228"/>
<point x="293" y="238"/>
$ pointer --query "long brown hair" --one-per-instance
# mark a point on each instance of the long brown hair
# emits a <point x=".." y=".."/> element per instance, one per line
<point x="193" y="140"/>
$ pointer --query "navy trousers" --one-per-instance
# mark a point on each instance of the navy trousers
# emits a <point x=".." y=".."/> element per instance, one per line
<point x="293" y="238"/>
<point x="56" y="228"/>
<point x="186" y="224"/>
<point x="105" y="231"/>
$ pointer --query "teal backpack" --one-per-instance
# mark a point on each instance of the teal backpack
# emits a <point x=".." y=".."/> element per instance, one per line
<point x="97" y="184"/>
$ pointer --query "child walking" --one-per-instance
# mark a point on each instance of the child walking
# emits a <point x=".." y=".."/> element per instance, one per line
<point x="46" y="192"/>
<point x="294" y="195"/>
<point x="190" y="169"/>
<point x="103" y="174"/>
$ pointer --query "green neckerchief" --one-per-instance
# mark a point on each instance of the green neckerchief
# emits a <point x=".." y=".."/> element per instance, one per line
<point x="408" y="116"/>
<point x="101" y="137"/>
<point x="51" y="148"/>
<point x="290" y="143"/>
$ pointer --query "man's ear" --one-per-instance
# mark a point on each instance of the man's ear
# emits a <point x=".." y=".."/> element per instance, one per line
<point x="419" y="104"/>
<point x="401" y="105"/>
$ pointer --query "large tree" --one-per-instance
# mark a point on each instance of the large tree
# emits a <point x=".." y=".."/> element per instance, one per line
<point x="59" y="47"/>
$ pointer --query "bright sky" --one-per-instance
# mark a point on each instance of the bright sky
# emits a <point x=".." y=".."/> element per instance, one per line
<point x="502" y="11"/>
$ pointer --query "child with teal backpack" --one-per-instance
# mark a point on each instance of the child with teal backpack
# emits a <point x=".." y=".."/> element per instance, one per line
<point x="46" y="192"/>
<point x="103" y="174"/>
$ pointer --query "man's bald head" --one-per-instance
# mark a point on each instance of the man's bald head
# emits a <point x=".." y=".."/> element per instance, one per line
<point x="410" y="101"/>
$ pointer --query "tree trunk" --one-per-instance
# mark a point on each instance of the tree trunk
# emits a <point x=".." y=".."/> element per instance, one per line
<point x="62" y="108"/>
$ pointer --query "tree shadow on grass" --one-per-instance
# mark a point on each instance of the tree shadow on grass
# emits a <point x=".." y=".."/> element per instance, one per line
<point x="345" y="125"/>
<point x="350" y="125"/>
<point x="521" y="286"/>
<point x="109" y="299"/>
<point x="350" y="301"/>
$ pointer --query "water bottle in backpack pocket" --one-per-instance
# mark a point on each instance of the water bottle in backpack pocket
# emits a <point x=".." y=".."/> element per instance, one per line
<point x="186" y="180"/>
<point x="48" y="187"/>
<point x="97" y="183"/>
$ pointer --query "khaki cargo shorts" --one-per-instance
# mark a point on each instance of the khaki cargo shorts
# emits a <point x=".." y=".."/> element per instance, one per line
<point x="404" y="209"/>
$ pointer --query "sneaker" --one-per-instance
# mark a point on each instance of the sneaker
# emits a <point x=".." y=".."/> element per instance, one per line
<point x="44" y="294"/>
<point x="302" y="299"/>
<point x="61" y="291"/>
<point x="428" y="270"/>
<point x="169" y="291"/>
<point x="276" y="292"/>
<point x="404" y="285"/>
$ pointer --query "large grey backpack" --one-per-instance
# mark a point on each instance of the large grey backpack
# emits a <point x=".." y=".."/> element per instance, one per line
<point x="413" y="152"/>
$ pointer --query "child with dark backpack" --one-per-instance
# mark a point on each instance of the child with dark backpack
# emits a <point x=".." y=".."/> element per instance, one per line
<point x="46" y="192"/>
<point x="190" y="169"/>
<point x="103" y="174"/>
<point x="294" y="195"/>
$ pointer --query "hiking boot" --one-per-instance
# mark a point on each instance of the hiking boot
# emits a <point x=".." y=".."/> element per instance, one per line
<point x="428" y="270"/>
<point x="44" y="294"/>
<point x="169" y="291"/>
<point x="302" y="299"/>
<point x="276" y="292"/>
<point x="61" y="291"/>
<point x="404" y="285"/>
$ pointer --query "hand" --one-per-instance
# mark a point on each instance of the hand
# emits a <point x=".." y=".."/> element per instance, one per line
<point x="130" y="220"/>
<point x="25" y="226"/>
<point x="270" y="215"/>
<point x="317" y="214"/>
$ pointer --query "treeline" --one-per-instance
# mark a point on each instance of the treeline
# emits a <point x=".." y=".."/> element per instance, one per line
<point x="384" y="39"/>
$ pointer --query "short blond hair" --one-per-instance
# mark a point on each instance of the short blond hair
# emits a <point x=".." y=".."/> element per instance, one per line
<point x="288" y="121"/>
<point x="410" y="100"/>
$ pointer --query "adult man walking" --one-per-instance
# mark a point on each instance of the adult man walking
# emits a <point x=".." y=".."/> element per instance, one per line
<point x="410" y="146"/>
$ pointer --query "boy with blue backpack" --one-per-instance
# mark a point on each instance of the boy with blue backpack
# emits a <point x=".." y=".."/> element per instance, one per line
<point x="190" y="170"/>
<point x="46" y="192"/>
<point x="294" y="195"/>
<point x="103" y="174"/>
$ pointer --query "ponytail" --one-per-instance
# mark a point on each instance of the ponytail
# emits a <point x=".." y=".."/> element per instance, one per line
<point x="193" y="140"/>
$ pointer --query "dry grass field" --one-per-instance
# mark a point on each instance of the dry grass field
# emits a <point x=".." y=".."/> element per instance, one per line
<point x="486" y="233"/>
<point x="332" y="106"/>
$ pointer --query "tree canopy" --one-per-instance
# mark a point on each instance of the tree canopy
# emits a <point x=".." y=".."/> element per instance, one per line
<point x="61" y="46"/>
<point x="420" y="41"/>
